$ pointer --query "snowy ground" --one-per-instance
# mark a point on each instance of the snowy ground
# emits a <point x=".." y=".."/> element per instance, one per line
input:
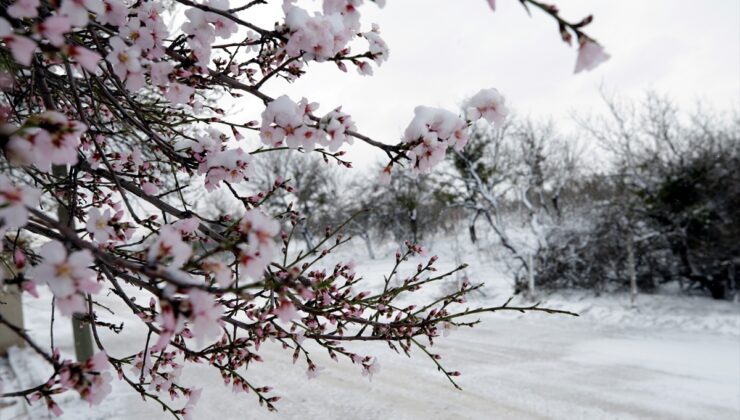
<point x="672" y="357"/>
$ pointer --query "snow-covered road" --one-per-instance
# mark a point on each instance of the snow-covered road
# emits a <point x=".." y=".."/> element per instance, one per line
<point x="535" y="366"/>
<point x="671" y="357"/>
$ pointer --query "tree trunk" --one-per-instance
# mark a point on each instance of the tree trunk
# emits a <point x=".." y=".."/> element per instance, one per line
<point x="471" y="226"/>
<point x="414" y="227"/>
<point x="530" y="278"/>
<point x="307" y="236"/>
<point x="631" y="269"/>
<point x="368" y="244"/>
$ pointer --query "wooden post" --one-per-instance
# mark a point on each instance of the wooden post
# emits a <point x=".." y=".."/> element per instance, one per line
<point x="631" y="269"/>
<point x="11" y="309"/>
<point x="81" y="331"/>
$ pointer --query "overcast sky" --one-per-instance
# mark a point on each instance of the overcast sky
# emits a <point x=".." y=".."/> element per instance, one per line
<point x="445" y="50"/>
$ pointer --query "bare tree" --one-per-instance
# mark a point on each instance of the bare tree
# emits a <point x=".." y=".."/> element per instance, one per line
<point x="314" y="188"/>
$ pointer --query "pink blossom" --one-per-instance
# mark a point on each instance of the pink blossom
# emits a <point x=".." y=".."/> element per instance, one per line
<point x="223" y="26"/>
<point x="281" y="118"/>
<point x="348" y="9"/>
<point x="170" y="324"/>
<point x="205" y="318"/>
<point x="178" y="93"/>
<point x="149" y="188"/>
<point x="20" y="148"/>
<point x="447" y="328"/>
<point x="336" y="124"/>
<point x="5" y="27"/>
<point x="590" y="55"/>
<point x="169" y="248"/>
<point x="160" y="72"/>
<point x="304" y="136"/>
<point x="14" y="201"/>
<point x="71" y="304"/>
<point x="86" y="58"/>
<point x="384" y="178"/>
<point x="272" y="135"/>
<point x="377" y="45"/>
<point x="54" y="28"/>
<point x="193" y="398"/>
<point x="77" y="10"/>
<point x="91" y="379"/>
<point x="138" y="34"/>
<point x="252" y="261"/>
<point x="286" y="311"/>
<point x="364" y="68"/>
<point x="114" y="13"/>
<point x="24" y="9"/>
<point x="98" y="225"/>
<point x="187" y="226"/>
<point x="150" y="12"/>
<point x="202" y="34"/>
<point x="54" y="407"/>
<point x="22" y="48"/>
<point x="99" y="379"/>
<point x="99" y="362"/>
<point x="123" y="58"/>
<point x="258" y="227"/>
<point x="221" y="271"/>
<point x="371" y="369"/>
<point x="488" y="104"/>
<point x="19" y="257"/>
<point x="66" y="275"/>
<point x="99" y="389"/>
<point x="313" y="372"/>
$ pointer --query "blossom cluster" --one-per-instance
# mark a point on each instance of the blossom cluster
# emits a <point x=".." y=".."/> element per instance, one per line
<point x="315" y="37"/>
<point x="430" y="133"/>
<point x="432" y="130"/>
<point x="260" y="247"/>
<point x="325" y="36"/>
<point x="91" y="379"/>
<point x="46" y="139"/>
<point x="293" y="124"/>
<point x="204" y="27"/>
<point x="195" y="315"/>
<point x="217" y="162"/>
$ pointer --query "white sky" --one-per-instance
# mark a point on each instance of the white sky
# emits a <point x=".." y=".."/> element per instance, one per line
<point x="445" y="50"/>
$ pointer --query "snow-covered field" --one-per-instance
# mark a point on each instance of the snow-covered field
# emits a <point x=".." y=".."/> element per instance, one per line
<point x="672" y="357"/>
